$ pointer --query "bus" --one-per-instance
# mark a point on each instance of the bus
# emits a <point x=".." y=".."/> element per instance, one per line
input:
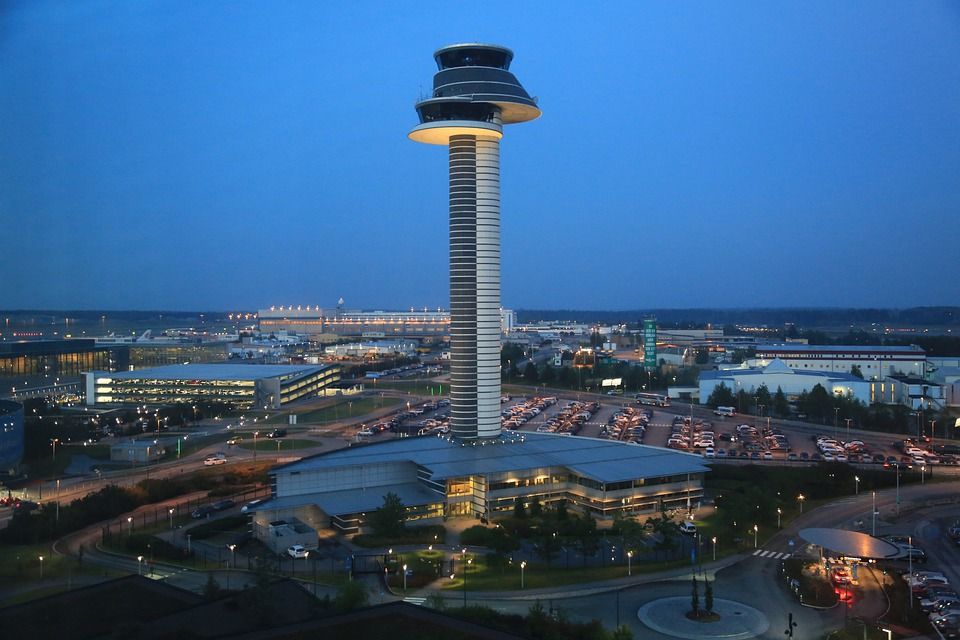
<point x="653" y="399"/>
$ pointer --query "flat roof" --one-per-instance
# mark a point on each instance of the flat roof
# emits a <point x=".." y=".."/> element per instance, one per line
<point x="851" y="543"/>
<point x="839" y="348"/>
<point x="245" y="372"/>
<point x="601" y="460"/>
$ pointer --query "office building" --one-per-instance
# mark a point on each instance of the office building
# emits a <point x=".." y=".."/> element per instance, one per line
<point x="240" y="385"/>
<point x="874" y="362"/>
<point x="474" y="96"/>
<point x="777" y="375"/>
<point x="437" y="477"/>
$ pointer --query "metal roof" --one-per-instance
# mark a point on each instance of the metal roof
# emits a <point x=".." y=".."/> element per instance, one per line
<point x="838" y="348"/>
<point x="601" y="460"/>
<point x="355" y="500"/>
<point x="216" y="372"/>
<point x="850" y="543"/>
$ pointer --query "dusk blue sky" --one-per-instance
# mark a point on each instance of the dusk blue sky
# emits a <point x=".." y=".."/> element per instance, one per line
<point x="234" y="155"/>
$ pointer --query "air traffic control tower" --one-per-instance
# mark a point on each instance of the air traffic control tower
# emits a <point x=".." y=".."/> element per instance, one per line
<point x="474" y="95"/>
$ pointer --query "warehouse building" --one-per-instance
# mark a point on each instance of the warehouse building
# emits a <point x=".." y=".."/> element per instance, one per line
<point x="777" y="375"/>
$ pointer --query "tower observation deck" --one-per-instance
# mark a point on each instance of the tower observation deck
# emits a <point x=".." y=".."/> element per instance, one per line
<point x="474" y="95"/>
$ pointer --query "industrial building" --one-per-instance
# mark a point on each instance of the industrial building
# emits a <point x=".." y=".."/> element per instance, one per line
<point x="240" y="385"/>
<point x="792" y="382"/>
<point x="446" y="477"/>
<point x="874" y="362"/>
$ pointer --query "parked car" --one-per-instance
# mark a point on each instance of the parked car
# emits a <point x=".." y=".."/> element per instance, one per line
<point x="202" y="512"/>
<point x="223" y="505"/>
<point x="277" y="433"/>
<point x="250" y="505"/>
<point x="297" y="551"/>
<point x="215" y="459"/>
<point x="687" y="527"/>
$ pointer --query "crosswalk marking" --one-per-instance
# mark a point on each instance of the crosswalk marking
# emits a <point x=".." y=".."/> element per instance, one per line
<point x="770" y="555"/>
<point x="417" y="601"/>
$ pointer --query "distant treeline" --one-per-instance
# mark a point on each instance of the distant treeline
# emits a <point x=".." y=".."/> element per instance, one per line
<point x="802" y="317"/>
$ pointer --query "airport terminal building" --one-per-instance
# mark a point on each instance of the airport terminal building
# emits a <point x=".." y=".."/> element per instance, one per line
<point x="444" y="477"/>
<point x="243" y="386"/>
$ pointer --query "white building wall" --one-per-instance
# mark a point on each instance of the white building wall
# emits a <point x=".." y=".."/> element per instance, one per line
<point x="348" y="477"/>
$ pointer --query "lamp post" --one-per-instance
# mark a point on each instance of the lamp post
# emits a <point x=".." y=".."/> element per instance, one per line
<point x="279" y="442"/>
<point x="856" y="479"/>
<point x="801" y="498"/>
<point x="873" y="528"/>
<point x="233" y="555"/>
<point x="523" y="565"/>
<point x="629" y="558"/>
<point x="755" y="530"/>
<point x="779" y="512"/>
<point x="898" y="489"/>
<point x="923" y="474"/>
<point x="139" y="565"/>
<point x="255" y="434"/>
<point x="714" y="541"/>
<point x="129" y="525"/>
<point x="405" y="578"/>
<point x="466" y="570"/>
<point x="41" y="567"/>
<point x="55" y="442"/>
<point x="848" y="421"/>
<point x="170" y="511"/>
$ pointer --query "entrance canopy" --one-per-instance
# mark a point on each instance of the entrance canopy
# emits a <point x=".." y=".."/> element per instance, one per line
<point x="851" y="543"/>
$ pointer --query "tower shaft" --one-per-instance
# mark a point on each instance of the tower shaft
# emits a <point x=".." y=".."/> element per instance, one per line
<point x="474" y="286"/>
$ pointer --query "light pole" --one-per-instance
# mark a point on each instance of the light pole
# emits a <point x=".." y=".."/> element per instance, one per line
<point x="629" y="558"/>
<point x="255" y="434"/>
<point x="856" y="479"/>
<point x="129" y="525"/>
<point x="170" y="511"/>
<point x="466" y="570"/>
<point x="779" y="512"/>
<point x="873" y="528"/>
<point x="848" y="421"/>
<point x="523" y="565"/>
<point x="714" y="541"/>
<point x="139" y="565"/>
<point x="923" y="474"/>
<point x="233" y="555"/>
<point x="836" y="416"/>
<point x="41" y="567"/>
<point x="55" y="442"/>
<point x="755" y="529"/>
<point x="279" y="442"/>
<point x="898" y="489"/>
<point x="800" y="499"/>
<point x="405" y="578"/>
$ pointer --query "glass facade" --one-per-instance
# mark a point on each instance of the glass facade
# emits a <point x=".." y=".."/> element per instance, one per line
<point x="61" y="358"/>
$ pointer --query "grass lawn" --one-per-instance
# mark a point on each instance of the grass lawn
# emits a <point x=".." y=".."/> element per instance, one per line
<point x="269" y="445"/>
<point x="482" y="577"/>
<point x="417" y="387"/>
<point x="21" y="563"/>
<point x="347" y="409"/>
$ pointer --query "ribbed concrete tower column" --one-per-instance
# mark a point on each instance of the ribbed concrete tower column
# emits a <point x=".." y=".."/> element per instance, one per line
<point x="474" y="286"/>
<point x="474" y="96"/>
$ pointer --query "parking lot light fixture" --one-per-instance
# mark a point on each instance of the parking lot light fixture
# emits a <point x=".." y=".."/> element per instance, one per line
<point x="779" y="513"/>
<point x="888" y="632"/>
<point x="629" y="558"/>
<point x="404" y="578"/>
<point x="714" y="541"/>
<point x="139" y="565"/>
<point x="41" y="567"/>
<point x="755" y="530"/>
<point x="856" y="480"/>
<point x="170" y="511"/>
<point x="129" y="525"/>
<point x="523" y="565"/>
<point x="800" y="499"/>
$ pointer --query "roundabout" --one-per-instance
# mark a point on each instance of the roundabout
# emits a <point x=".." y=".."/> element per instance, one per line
<point x="736" y="620"/>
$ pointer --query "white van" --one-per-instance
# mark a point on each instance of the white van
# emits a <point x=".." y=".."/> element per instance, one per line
<point x="724" y="411"/>
<point x="687" y="527"/>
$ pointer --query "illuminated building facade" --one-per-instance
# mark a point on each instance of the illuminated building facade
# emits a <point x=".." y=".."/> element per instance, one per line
<point x="379" y="324"/>
<point x="243" y="386"/>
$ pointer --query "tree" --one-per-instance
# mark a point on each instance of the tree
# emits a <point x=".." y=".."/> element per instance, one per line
<point x="536" y="509"/>
<point x="519" y="511"/>
<point x="703" y="356"/>
<point x="352" y="595"/>
<point x="622" y="632"/>
<point x="722" y="396"/>
<point x="211" y="590"/>
<point x="389" y="520"/>
<point x="530" y="375"/>
<point x="549" y="374"/>
<point x="763" y="397"/>
<point x="695" y="599"/>
<point x="708" y="596"/>
<point x="855" y="370"/>
<point x="781" y="407"/>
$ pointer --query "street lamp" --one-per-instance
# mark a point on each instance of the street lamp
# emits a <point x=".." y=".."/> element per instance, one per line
<point x="55" y="442"/>
<point x="139" y="565"/>
<point x="714" y="541"/>
<point x="856" y="479"/>
<point x="629" y="557"/>
<point x="779" y="512"/>
<point x="873" y="528"/>
<point x="41" y="567"/>
<point x="523" y="565"/>
<point x="233" y="556"/>
<point x="801" y="498"/>
<point x="888" y="632"/>
<point x="898" y="489"/>
<point x="129" y="525"/>
<point x="170" y="511"/>
<point x="466" y="570"/>
<point x="255" y="434"/>
<point x="923" y="474"/>
<point x="405" y="578"/>
<point x="755" y="529"/>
